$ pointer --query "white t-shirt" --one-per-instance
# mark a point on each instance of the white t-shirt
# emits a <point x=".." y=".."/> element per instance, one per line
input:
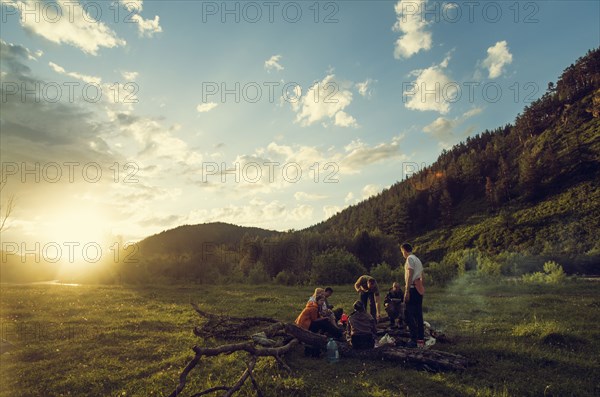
<point x="412" y="262"/>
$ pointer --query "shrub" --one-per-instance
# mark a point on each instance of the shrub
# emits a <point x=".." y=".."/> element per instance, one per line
<point x="553" y="274"/>
<point x="285" y="277"/>
<point x="440" y="273"/>
<point x="398" y="275"/>
<point x="515" y="264"/>
<point x="463" y="260"/>
<point x="257" y="274"/>
<point x="488" y="267"/>
<point x="382" y="273"/>
<point x="335" y="266"/>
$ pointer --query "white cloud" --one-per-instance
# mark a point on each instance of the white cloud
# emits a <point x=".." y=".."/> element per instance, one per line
<point x="498" y="57"/>
<point x="133" y="5"/>
<point x="158" y="142"/>
<point x="129" y="76"/>
<point x="255" y="212"/>
<point x="206" y="107"/>
<point x="73" y="25"/>
<point x="358" y="154"/>
<point x="364" y="88"/>
<point x="88" y="79"/>
<point x="302" y="212"/>
<point x="470" y="113"/>
<point x="147" y="27"/>
<point x="432" y="90"/>
<point x="355" y="156"/>
<point x="273" y="63"/>
<point x="444" y="129"/>
<point x="441" y="127"/>
<point x="411" y="23"/>
<point x="343" y="119"/>
<point x="370" y="190"/>
<point x="331" y="210"/>
<point x="303" y="196"/>
<point x="349" y="197"/>
<point x="12" y="56"/>
<point x="324" y="101"/>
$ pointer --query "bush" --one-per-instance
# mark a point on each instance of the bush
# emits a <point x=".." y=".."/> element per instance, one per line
<point x="553" y="274"/>
<point x="286" y="277"/>
<point x="335" y="266"/>
<point x="488" y="267"/>
<point x="257" y="274"/>
<point x="398" y="275"/>
<point x="440" y="273"/>
<point x="463" y="260"/>
<point x="382" y="273"/>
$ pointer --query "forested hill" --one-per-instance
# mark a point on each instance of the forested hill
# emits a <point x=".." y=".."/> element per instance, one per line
<point x="504" y="201"/>
<point x="529" y="187"/>
<point x="192" y="238"/>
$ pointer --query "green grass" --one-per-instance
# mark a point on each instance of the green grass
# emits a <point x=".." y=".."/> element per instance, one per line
<point x="522" y="340"/>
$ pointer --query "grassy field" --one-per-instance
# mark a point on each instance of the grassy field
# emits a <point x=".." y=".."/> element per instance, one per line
<point x="523" y="340"/>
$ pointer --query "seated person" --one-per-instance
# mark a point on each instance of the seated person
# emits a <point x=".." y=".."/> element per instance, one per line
<point x="393" y="304"/>
<point x="310" y="319"/>
<point x="337" y="313"/>
<point x="361" y="328"/>
<point x="318" y="291"/>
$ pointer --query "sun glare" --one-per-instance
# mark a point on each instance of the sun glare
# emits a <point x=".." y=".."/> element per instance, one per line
<point x="75" y="236"/>
<point x="78" y="224"/>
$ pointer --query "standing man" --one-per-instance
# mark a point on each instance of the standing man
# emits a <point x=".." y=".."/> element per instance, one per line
<point x="368" y="291"/>
<point x="413" y="296"/>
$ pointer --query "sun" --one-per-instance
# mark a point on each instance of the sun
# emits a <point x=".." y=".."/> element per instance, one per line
<point x="82" y="224"/>
<point x="73" y="234"/>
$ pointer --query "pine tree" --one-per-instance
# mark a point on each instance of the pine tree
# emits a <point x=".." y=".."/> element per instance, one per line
<point x="446" y="207"/>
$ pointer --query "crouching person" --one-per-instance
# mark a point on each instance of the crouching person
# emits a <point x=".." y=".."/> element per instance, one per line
<point x="394" y="304"/>
<point x="361" y="328"/>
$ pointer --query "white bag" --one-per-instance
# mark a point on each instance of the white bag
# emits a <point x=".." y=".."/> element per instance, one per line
<point x="385" y="340"/>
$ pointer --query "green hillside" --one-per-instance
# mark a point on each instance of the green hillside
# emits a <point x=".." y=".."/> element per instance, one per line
<point x="191" y="238"/>
<point x="531" y="187"/>
<point x="503" y="202"/>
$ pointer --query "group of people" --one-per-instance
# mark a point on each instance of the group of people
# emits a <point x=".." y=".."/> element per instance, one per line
<point x="402" y="307"/>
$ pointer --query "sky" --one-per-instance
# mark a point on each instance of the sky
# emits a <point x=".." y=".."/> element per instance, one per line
<point x="123" y="119"/>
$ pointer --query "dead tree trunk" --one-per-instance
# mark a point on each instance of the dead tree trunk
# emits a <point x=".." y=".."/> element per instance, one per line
<point x="226" y="327"/>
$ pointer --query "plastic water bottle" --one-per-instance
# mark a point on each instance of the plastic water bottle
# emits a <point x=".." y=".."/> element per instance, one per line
<point x="333" y="354"/>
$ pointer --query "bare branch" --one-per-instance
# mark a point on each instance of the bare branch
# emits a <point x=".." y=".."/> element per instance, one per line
<point x="429" y="359"/>
<point x="184" y="374"/>
<point x="10" y="204"/>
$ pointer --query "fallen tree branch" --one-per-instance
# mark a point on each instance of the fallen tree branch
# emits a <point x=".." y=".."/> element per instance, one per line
<point x="228" y="327"/>
<point x="248" y="347"/>
<point x="435" y="359"/>
<point x="184" y="374"/>
<point x="225" y="327"/>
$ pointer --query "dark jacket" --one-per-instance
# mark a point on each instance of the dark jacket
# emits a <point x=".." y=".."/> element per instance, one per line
<point x="361" y="323"/>
<point x="394" y="295"/>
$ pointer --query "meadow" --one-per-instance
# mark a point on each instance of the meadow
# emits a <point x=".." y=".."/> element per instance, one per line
<point x="97" y="340"/>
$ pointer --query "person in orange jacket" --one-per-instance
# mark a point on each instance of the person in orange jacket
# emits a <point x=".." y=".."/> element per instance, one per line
<point x="310" y="319"/>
